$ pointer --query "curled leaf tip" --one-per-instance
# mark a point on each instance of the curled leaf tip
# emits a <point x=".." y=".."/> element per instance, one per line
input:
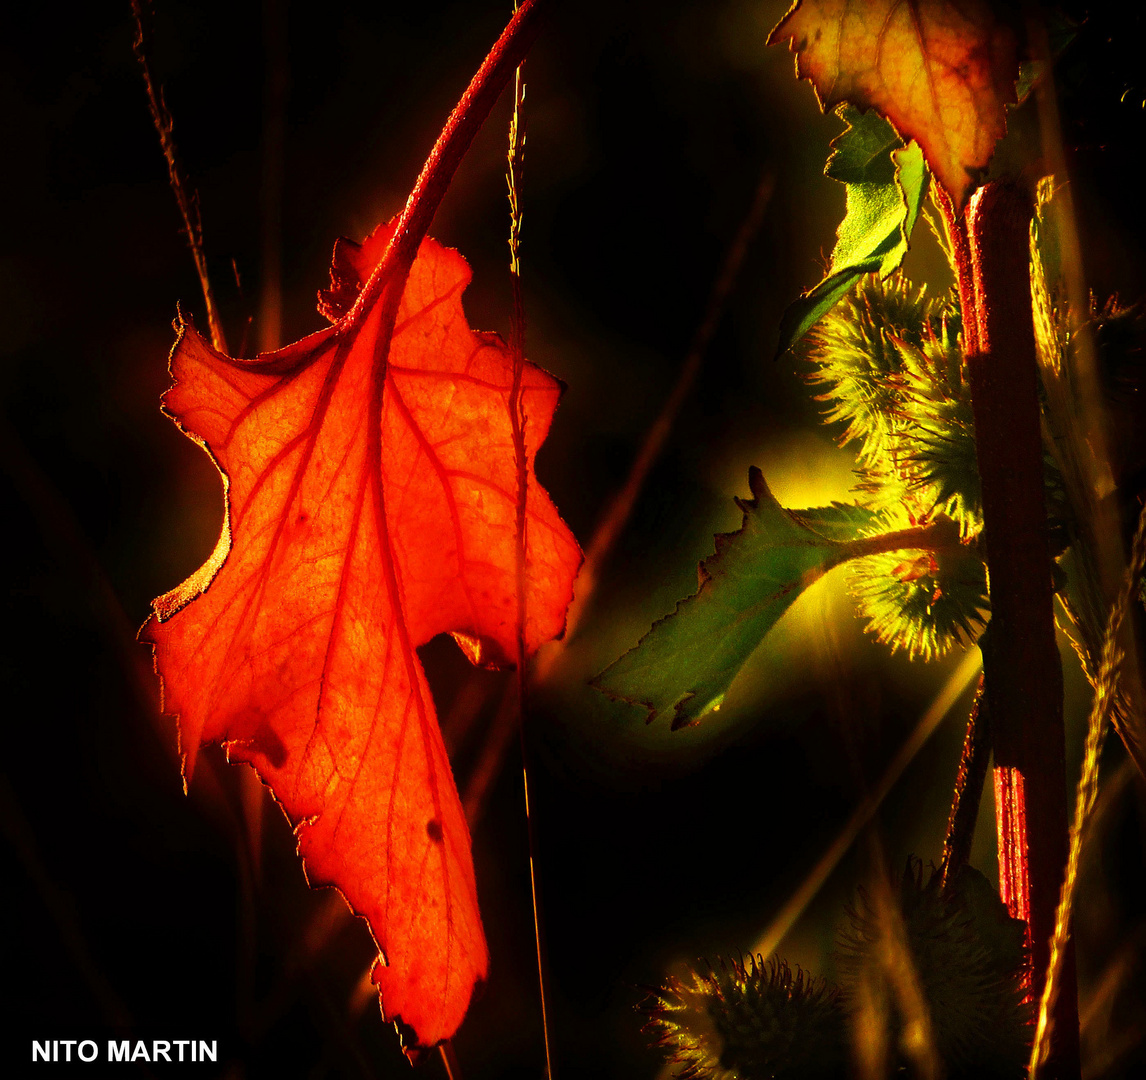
<point x="942" y="71"/>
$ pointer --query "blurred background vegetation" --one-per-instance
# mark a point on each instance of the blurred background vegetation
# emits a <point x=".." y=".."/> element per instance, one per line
<point x="131" y="910"/>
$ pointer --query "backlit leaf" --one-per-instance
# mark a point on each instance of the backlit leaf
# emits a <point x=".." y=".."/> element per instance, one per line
<point x="371" y="490"/>
<point x="886" y="182"/>
<point x="687" y="661"/>
<point x="940" y="70"/>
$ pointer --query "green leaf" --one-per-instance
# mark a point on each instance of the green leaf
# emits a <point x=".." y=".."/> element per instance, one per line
<point x="857" y="363"/>
<point x="862" y="153"/>
<point x="886" y="182"/>
<point x="688" y="660"/>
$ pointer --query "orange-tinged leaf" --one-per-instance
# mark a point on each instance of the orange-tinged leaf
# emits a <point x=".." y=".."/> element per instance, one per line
<point x="940" y="70"/>
<point x="371" y="491"/>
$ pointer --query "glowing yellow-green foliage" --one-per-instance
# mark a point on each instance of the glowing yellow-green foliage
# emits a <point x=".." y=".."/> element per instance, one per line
<point x="888" y="361"/>
<point x="934" y="446"/>
<point x="856" y="361"/>
<point x="922" y="602"/>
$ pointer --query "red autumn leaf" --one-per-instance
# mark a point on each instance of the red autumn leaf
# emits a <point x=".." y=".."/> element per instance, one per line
<point x="371" y="491"/>
<point x="939" y="70"/>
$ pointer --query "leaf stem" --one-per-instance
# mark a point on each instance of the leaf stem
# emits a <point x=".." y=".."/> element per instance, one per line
<point x="450" y="1060"/>
<point x="938" y="535"/>
<point x="960" y="249"/>
<point x="434" y="180"/>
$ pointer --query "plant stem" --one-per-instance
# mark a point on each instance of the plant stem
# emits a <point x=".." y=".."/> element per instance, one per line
<point x="450" y="1060"/>
<point x="960" y="247"/>
<point x="1101" y="711"/>
<point x="188" y="204"/>
<point x="942" y="534"/>
<point x="968" y="789"/>
<point x="1022" y="670"/>
<point x="434" y="180"/>
<point x="518" y="421"/>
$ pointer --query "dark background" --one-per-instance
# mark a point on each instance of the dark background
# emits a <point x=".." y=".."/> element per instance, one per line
<point x="131" y="910"/>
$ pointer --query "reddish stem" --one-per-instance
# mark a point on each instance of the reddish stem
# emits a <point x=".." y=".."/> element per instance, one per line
<point x="1011" y="827"/>
<point x="964" y="277"/>
<point x="434" y="180"/>
<point x="1021" y="667"/>
<point x="969" y="781"/>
